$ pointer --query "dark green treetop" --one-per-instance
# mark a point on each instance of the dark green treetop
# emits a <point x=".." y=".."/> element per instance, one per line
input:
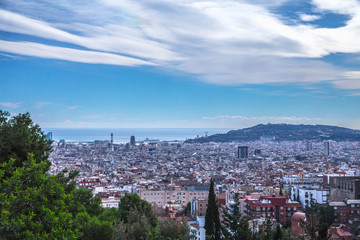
<point x="212" y="220"/>
<point x="20" y="136"/>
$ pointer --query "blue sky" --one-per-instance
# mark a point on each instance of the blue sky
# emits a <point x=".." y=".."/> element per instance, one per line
<point x="220" y="64"/>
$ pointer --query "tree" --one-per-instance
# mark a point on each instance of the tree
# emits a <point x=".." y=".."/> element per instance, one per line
<point x="318" y="220"/>
<point x="33" y="204"/>
<point x="20" y="136"/>
<point x="212" y="220"/>
<point x="136" y="219"/>
<point x="281" y="191"/>
<point x="187" y="209"/>
<point x="278" y="233"/>
<point x="131" y="202"/>
<point x="235" y="226"/>
<point x="173" y="230"/>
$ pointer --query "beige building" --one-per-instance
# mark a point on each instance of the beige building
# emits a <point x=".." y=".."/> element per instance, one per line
<point x="174" y="195"/>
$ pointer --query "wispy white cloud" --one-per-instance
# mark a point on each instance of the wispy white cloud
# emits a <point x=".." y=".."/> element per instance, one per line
<point x="42" y="104"/>
<point x="95" y="116"/>
<point x="67" y="122"/>
<point x="10" y="104"/>
<point x="69" y="54"/>
<point x="309" y="18"/>
<point x="72" y="107"/>
<point x="223" y="42"/>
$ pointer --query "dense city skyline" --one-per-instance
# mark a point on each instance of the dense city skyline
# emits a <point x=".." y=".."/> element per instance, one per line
<point x="210" y="64"/>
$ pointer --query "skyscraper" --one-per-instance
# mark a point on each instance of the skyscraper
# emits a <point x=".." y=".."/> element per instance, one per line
<point x="112" y="138"/>
<point x="326" y="148"/>
<point x="243" y="152"/>
<point x="132" y="140"/>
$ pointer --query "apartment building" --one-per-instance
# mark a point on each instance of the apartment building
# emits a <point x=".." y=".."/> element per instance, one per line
<point x="278" y="207"/>
<point x="174" y="195"/>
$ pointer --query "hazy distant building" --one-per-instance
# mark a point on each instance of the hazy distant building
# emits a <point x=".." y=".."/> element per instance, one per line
<point x="326" y="148"/>
<point x="132" y="140"/>
<point x="112" y="139"/>
<point x="308" y="146"/>
<point x="243" y="152"/>
<point x="49" y="136"/>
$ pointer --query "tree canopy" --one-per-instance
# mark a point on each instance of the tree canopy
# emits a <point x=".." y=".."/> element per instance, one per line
<point x="20" y="136"/>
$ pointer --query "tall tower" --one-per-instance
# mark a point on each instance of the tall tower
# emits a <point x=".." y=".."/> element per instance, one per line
<point x="326" y="148"/>
<point x="243" y="152"/>
<point x="132" y="140"/>
<point x="112" y="138"/>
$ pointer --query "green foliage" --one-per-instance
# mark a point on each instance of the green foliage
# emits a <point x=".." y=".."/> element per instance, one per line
<point x="187" y="209"/>
<point x="137" y="219"/>
<point x="212" y="220"/>
<point x="33" y="203"/>
<point x="318" y="220"/>
<point x="234" y="225"/>
<point x="20" y="136"/>
<point x="132" y="203"/>
<point x="173" y="230"/>
<point x="278" y="233"/>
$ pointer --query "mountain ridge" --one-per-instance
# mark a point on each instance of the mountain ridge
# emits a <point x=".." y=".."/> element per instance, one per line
<point x="283" y="132"/>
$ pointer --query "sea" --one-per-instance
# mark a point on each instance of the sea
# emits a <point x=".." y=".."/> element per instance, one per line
<point x="122" y="135"/>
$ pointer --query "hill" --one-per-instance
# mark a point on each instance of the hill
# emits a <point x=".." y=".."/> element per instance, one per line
<point x="283" y="132"/>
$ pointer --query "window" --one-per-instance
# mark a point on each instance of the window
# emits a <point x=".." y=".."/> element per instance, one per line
<point x="352" y="205"/>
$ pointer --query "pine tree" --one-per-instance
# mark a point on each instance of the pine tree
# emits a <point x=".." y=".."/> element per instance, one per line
<point x="278" y="233"/>
<point x="212" y="219"/>
<point x="235" y="226"/>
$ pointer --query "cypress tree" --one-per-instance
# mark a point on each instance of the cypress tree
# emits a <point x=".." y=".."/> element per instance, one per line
<point x="278" y="233"/>
<point x="212" y="219"/>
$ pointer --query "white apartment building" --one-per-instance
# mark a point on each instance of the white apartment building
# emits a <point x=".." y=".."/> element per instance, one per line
<point x="174" y="195"/>
<point x="305" y="194"/>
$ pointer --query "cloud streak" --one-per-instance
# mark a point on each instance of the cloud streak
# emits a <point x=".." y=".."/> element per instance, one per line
<point x="42" y="104"/>
<point x="68" y="54"/>
<point x="10" y="104"/>
<point x="222" y="42"/>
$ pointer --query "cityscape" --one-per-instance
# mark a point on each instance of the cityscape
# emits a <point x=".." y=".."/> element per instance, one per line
<point x="170" y="175"/>
<point x="180" y="120"/>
